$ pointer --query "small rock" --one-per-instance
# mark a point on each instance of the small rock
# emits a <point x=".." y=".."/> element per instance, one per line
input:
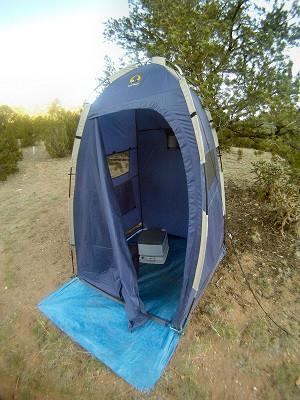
<point x="5" y="288"/>
<point x="255" y="388"/>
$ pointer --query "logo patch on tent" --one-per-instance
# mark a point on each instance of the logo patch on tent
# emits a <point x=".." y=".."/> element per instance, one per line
<point x="135" y="80"/>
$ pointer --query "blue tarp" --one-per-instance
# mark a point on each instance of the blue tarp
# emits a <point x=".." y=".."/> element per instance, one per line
<point x="100" y="325"/>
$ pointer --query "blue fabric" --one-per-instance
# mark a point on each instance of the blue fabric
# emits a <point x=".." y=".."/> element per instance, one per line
<point x="155" y="82"/>
<point x="118" y="131"/>
<point x="99" y="325"/>
<point x="215" y="238"/>
<point x="162" y="184"/>
<point x="172" y="107"/>
<point x="103" y="256"/>
<point x="164" y="96"/>
<point x="208" y="139"/>
<point x="115" y="111"/>
<point x="148" y="119"/>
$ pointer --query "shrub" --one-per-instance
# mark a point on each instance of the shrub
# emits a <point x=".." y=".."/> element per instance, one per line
<point x="23" y="128"/>
<point x="56" y="140"/>
<point x="10" y="154"/>
<point x="59" y="131"/>
<point x="279" y="190"/>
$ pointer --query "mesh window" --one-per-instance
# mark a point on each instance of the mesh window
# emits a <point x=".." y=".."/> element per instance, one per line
<point x="118" y="163"/>
<point x="210" y="167"/>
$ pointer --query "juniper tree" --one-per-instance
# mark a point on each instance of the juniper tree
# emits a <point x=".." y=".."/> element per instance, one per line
<point x="233" y="52"/>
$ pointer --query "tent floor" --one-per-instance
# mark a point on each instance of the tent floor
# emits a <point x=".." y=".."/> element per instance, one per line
<point x="100" y="325"/>
<point x="160" y="285"/>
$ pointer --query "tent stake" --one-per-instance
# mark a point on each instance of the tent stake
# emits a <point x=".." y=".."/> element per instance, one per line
<point x="72" y="260"/>
<point x="70" y="181"/>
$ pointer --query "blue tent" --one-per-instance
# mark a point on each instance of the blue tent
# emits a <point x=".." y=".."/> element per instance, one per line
<point x="179" y="189"/>
<point x="173" y="180"/>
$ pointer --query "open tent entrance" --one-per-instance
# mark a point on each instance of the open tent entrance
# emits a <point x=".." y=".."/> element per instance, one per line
<point x="149" y="181"/>
<point x="130" y="173"/>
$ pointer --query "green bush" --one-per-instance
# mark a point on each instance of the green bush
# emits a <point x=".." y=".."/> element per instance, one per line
<point x="279" y="190"/>
<point x="56" y="140"/>
<point x="59" y="131"/>
<point x="23" y="128"/>
<point x="10" y="154"/>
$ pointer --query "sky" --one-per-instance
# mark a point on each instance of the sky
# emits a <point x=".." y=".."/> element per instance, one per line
<point x="54" y="49"/>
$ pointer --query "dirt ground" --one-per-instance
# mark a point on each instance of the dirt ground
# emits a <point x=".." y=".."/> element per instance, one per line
<point x="229" y="351"/>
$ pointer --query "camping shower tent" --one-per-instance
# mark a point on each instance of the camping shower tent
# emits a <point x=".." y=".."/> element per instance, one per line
<point x="169" y="177"/>
<point x="178" y="188"/>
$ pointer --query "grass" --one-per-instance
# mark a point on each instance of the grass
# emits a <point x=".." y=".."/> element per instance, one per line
<point x="259" y="335"/>
<point x="9" y="267"/>
<point x="63" y="362"/>
<point x="11" y="358"/>
<point x="284" y="378"/>
<point x="215" y="309"/>
<point x="263" y="282"/>
<point x="217" y="312"/>
<point x="190" y="390"/>
<point x="6" y="326"/>
<point x="182" y="385"/>
<point x="226" y="331"/>
<point x="212" y="309"/>
<point x="56" y="363"/>
<point x="10" y="273"/>
<point x="183" y="381"/>
<point x="246" y="362"/>
<point x="285" y="273"/>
